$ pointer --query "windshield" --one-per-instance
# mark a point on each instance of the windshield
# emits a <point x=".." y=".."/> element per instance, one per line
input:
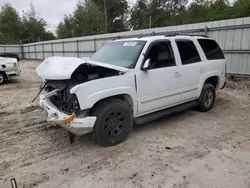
<point x="122" y="53"/>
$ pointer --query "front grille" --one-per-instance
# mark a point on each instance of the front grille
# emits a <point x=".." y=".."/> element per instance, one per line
<point x="65" y="101"/>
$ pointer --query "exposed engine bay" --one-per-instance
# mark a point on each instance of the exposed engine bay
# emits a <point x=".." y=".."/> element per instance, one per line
<point x="67" y="102"/>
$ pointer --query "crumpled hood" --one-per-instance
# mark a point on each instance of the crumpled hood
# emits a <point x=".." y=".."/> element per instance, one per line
<point x="61" y="68"/>
<point x="5" y="60"/>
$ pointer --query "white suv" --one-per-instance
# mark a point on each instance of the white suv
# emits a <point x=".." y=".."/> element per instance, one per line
<point x="131" y="81"/>
<point x="9" y="68"/>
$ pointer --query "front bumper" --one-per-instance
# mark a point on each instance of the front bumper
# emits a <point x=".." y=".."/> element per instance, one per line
<point x="79" y="126"/>
<point x="13" y="74"/>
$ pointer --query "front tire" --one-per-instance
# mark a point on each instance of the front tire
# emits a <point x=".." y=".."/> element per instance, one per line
<point x="114" y="122"/>
<point x="2" y="78"/>
<point x="207" y="98"/>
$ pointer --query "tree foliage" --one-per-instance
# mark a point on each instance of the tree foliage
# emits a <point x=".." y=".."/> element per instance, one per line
<point x="10" y="25"/>
<point x="176" y="12"/>
<point x="114" y="11"/>
<point x="88" y="12"/>
<point x="106" y="16"/>
<point x="75" y="25"/>
<point x="95" y="17"/>
<point x="33" y="27"/>
<point x="29" y="28"/>
<point x="65" y="28"/>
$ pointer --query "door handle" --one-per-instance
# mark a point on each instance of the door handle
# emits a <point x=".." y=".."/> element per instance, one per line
<point x="177" y="74"/>
<point x="201" y="70"/>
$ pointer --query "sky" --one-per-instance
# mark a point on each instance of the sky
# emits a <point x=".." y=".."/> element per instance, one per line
<point x="51" y="10"/>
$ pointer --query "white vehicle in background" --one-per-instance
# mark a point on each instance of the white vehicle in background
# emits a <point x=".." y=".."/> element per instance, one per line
<point x="131" y="81"/>
<point x="9" y="69"/>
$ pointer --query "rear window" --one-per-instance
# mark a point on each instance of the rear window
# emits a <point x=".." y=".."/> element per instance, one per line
<point x="211" y="49"/>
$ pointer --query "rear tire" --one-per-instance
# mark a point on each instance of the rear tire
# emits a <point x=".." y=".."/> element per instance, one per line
<point x="207" y="98"/>
<point x="114" y="122"/>
<point x="2" y="78"/>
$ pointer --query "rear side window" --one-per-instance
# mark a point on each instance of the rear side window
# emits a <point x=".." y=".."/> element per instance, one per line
<point x="211" y="49"/>
<point x="188" y="52"/>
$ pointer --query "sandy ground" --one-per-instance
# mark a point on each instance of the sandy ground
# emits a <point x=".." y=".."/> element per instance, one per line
<point x="187" y="150"/>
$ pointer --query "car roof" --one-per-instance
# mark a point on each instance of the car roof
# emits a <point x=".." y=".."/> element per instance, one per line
<point x="159" y="37"/>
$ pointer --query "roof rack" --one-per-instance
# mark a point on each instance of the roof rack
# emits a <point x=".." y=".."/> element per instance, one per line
<point x="165" y="34"/>
<point x="118" y="37"/>
<point x="148" y="34"/>
<point x="171" y="34"/>
<point x="184" y="34"/>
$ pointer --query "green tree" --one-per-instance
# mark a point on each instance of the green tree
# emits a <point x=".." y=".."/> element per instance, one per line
<point x="196" y="12"/>
<point x="101" y="16"/>
<point x="65" y="29"/>
<point x="10" y="25"/>
<point x="34" y="27"/>
<point x="217" y="10"/>
<point x="94" y="17"/>
<point x="241" y="8"/>
<point x="114" y="14"/>
<point x="49" y="36"/>
<point x="140" y="15"/>
<point x="156" y="13"/>
<point x="88" y="19"/>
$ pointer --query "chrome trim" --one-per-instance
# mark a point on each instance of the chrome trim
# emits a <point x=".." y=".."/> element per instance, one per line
<point x="160" y="97"/>
<point x="190" y="90"/>
<point x="167" y="96"/>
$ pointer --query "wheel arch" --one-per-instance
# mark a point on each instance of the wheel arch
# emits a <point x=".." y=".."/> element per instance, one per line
<point x="212" y="78"/>
<point x="124" y="97"/>
<point x="126" y="94"/>
<point x="4" y="74"/>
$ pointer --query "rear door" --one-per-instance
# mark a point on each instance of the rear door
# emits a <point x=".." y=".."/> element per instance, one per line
<point x="191" y="69"/>
<point x="214" y="60"/>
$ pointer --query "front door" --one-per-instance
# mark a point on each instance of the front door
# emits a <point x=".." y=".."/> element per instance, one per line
<point x="159" y="87"/>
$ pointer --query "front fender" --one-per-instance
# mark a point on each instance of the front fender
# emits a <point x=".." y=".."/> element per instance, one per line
<point x="95" y="97"/>
<point x="91" y="92"/>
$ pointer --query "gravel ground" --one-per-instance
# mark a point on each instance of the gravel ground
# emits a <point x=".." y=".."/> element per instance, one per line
<point x="185" y="150"/>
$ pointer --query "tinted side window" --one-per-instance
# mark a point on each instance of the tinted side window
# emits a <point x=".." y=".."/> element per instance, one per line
<point x="211" y="49"/>
<point x="161" y="55"/>
<point x="188" y="52"/>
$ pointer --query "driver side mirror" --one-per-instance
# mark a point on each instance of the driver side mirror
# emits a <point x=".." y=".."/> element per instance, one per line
<point x="146" y="65"/>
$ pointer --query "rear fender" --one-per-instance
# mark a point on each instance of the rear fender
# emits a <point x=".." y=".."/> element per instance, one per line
<point x="205" y="77"/>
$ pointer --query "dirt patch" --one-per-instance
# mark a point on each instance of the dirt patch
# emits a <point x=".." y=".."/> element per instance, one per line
<point x="4" y="114"/>
<point x="29" y="109"/>
<point x="238" y="83"/>
<point x="185" y="150"/>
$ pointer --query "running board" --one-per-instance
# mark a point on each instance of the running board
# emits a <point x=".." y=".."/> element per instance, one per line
<point x="157" y="115"/>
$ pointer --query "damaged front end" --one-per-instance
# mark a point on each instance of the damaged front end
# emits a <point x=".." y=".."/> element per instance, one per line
<point x="73" y="123"/>
<point x="60" y="96"/>
<point x="60" y="105"/>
